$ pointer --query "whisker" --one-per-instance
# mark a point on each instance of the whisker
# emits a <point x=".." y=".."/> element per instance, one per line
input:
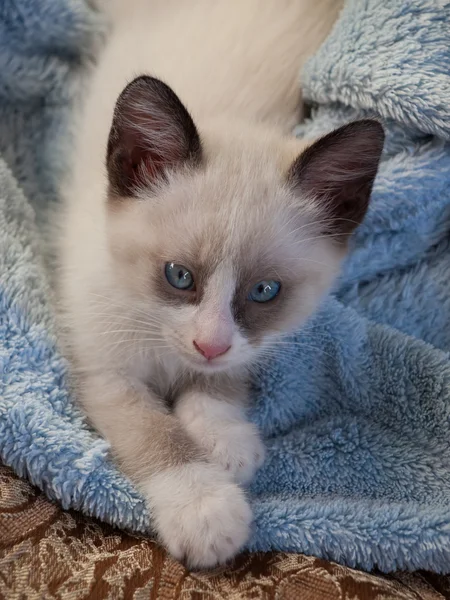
<point x="318" y="262"/>
<point x="288" y="358"/>
<point x="121" y="331"/>
<point x="124" y="352"/>
<point x="297" y="345"/>
<point x="310" y="347"/>
<point x="264" y="364"/>
<point x="129" y="358"/>
<point x="325" y="222"/>
<point x="321" y="237"/>
<point x="129" y="308"/>
<point x="127" y="318"/>
<point x="135" y="341"/>
<point x="298" y="342"/>
<point x="120" y="305"/>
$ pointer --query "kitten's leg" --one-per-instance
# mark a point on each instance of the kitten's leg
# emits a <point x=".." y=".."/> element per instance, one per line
<point x="199" y="514"/>
<point x="219" y="425"/>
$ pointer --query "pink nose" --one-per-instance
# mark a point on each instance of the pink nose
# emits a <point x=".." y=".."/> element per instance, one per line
<point x="210" y="351"/>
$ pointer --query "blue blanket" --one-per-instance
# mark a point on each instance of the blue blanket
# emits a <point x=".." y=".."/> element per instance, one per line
<point x="357" y="414"/>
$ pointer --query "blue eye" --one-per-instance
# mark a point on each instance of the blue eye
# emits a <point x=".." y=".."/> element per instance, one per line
<point x="264" y="291"/>
<point x="179" y="277"/>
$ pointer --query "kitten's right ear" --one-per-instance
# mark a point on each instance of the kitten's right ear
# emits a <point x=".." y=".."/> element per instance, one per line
<point x="338" y="172"/>
<point x="151" y="133"/>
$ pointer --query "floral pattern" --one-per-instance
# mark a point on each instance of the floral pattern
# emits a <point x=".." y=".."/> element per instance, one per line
<point x="48" y="553"/>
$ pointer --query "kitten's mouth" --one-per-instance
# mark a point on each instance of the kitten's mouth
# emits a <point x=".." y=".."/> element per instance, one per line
<point x="204" y="365"/>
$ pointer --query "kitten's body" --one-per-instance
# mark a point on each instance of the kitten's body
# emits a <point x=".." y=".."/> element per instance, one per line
<point x="221" y="203"/>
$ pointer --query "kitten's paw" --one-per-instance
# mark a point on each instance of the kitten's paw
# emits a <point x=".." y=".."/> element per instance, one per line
<point x="201" y="517"/>
<point x="238" y="448"/>
<point x="229" y="440"/>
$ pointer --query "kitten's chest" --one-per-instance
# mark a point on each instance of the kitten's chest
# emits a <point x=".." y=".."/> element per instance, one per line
<point x="164" y="376"/>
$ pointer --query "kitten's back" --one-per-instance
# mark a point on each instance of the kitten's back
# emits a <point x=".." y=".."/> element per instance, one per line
<point x="222" y="56"/>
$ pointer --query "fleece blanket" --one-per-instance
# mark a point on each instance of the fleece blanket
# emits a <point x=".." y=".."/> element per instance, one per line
<point x="356" y="412"/>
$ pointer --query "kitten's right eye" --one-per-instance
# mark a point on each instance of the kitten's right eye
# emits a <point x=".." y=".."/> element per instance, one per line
<point x="179" y="277"/>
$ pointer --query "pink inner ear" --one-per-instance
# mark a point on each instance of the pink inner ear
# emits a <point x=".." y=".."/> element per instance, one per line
<point x="338" y="171"/>
<point x="144" y="166"/>
<point x="151" y="133"/>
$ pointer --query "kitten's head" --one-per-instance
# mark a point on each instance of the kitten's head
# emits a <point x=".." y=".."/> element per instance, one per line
<point x="227" y="242"/>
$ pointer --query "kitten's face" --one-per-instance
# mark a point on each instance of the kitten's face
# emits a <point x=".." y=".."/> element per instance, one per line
<point x="224" y="245"/>
<point x="225" y="261"/>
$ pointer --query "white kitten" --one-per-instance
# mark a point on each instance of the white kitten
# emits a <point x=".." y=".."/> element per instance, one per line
<point x="193" y="240"/>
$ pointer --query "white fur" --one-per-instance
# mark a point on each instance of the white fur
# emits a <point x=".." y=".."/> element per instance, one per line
<point x="200" y="515"/>
<point x="235" y="64"/>
<point x="221" y="429"/>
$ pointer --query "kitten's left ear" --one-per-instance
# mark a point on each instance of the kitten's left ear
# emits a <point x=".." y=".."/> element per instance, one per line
<point x="338" y="171"/>
<point x="151" y="133"/>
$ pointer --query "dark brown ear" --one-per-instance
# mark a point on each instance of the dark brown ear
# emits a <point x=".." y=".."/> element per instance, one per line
<point x="338" y="172"/>
<point x="152" y="133"/>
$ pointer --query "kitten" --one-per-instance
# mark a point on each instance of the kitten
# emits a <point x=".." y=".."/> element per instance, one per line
<point x="193" y="238"/>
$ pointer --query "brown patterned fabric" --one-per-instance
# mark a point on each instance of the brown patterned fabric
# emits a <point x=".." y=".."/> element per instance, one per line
<point x="48" y="553"/>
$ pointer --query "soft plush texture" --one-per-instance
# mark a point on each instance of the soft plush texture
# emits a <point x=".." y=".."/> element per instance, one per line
<point x="356" y="412"/>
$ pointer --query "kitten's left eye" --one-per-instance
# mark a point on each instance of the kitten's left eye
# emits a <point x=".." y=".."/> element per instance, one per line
<point x="264" y="291"/>
<point x="179" y="277"/>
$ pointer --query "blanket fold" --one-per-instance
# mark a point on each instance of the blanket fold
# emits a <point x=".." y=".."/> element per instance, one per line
<point x="356" y="414"/>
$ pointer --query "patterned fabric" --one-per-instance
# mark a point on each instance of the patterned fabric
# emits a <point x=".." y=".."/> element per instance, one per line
<point x="47" y="553"/>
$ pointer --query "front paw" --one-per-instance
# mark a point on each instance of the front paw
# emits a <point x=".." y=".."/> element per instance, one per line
<point x="238" y="448"/>
<point x="228" y="440"/>
<point x="200" y="516"/>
